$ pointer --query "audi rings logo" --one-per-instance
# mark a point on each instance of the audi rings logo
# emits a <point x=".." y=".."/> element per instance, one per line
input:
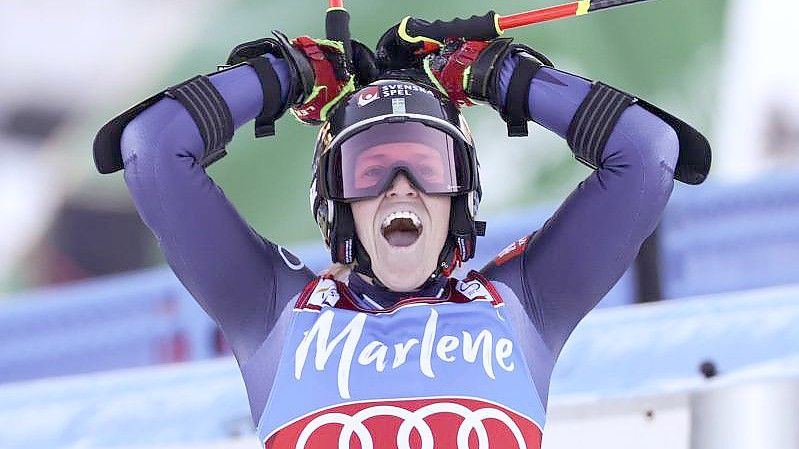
<point x="452" y="423"/>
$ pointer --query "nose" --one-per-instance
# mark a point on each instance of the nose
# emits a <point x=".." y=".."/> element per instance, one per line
<point x="401" y="187"/>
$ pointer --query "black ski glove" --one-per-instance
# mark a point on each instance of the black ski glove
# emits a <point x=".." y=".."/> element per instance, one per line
<point x="466" y="67"/>
<point x="405" y="44"/>
<point x="320" y="75"/>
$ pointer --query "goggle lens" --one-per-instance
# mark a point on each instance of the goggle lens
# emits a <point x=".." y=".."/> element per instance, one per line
<point x="366" y="163"/>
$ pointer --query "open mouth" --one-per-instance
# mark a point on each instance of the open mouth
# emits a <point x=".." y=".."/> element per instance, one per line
<point x="401" y="228"/>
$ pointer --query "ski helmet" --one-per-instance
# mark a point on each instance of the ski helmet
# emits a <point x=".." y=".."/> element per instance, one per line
<point x="389" y="111"/>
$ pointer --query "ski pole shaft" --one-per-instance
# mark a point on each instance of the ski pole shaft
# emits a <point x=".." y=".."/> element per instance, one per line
<point x="492" y="25"/>
<point x="559" y="12"/>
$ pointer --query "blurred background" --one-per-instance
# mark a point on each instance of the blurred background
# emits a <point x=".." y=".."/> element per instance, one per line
<point x="98" y="339"/>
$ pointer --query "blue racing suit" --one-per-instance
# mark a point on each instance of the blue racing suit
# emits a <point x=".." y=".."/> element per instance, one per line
<point x="461" y="361"/>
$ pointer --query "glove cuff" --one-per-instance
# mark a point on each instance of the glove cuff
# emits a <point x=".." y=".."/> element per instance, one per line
<point x="302" y="76"/>
<point x="300" y="81"/>
<point x="482" y="80"/>
<point x="302" y="85"/>
<point x="513" y="107"/>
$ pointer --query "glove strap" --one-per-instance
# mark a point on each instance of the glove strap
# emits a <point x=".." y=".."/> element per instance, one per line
<point x="273" y="106"/>
<point x="516" y="112"/>
<point x="594" y="121"/>
<point x="210" y="113"/>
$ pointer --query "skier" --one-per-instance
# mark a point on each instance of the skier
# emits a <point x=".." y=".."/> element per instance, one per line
<point x="397" y="353"/>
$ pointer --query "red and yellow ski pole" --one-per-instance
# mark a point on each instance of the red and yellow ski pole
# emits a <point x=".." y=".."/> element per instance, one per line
<point x="558" y="12"/>
<point x="492" y="25"/>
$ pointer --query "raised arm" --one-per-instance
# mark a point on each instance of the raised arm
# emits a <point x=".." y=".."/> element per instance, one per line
<point x="241" y="280"/>
<point x="569" y="264"/>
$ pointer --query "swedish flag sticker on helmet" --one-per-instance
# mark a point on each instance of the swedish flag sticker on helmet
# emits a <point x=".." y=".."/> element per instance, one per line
<point x="398" y="105"/>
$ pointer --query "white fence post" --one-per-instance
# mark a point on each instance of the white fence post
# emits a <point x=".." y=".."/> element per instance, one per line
<point x="762" y="415"/>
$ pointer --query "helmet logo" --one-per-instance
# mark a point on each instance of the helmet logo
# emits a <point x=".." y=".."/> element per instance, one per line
<point x="368" y="95"/>
<point x="403" y="90"/>
<point x="372" y="93"/>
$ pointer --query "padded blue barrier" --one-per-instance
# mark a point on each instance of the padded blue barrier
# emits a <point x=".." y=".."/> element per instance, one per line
<point x="721" y="238"/>
<point x="117" y="322"/>
<point x="649" y="348"/>
<point x="644" y="349"/>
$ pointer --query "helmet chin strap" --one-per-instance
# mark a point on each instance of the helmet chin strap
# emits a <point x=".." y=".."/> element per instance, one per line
<point x="363" y="263"/>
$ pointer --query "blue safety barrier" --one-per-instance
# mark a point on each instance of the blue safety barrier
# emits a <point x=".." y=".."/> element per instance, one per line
<point x="140" y="319"/>
<point x="722" y="238"/>
<point x="623" y="351"/>
<point x="650" y="348"/>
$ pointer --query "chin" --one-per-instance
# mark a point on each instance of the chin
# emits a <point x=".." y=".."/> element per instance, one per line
<point x="405" y="265"/>
<point x="403" y="271"/>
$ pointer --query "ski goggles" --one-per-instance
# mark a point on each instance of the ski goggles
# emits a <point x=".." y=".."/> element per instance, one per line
<point x="365" y="164"/>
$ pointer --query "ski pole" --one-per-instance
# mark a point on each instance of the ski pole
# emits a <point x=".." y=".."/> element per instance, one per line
<point x="492" y="25"/>
<point x="558" y="12"/>
<point x="337" y="25"/>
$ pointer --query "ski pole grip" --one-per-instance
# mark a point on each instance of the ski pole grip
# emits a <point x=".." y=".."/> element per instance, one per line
<point x="474" y="28"/>
<point x="337" y="28"/>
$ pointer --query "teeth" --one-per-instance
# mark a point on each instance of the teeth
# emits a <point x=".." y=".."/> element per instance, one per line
<point x="417" y="222"/>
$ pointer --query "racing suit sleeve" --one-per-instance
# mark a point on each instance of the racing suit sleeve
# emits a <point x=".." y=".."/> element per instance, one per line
<point x="239" y="278"/>
<point x="562" y="270"/>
